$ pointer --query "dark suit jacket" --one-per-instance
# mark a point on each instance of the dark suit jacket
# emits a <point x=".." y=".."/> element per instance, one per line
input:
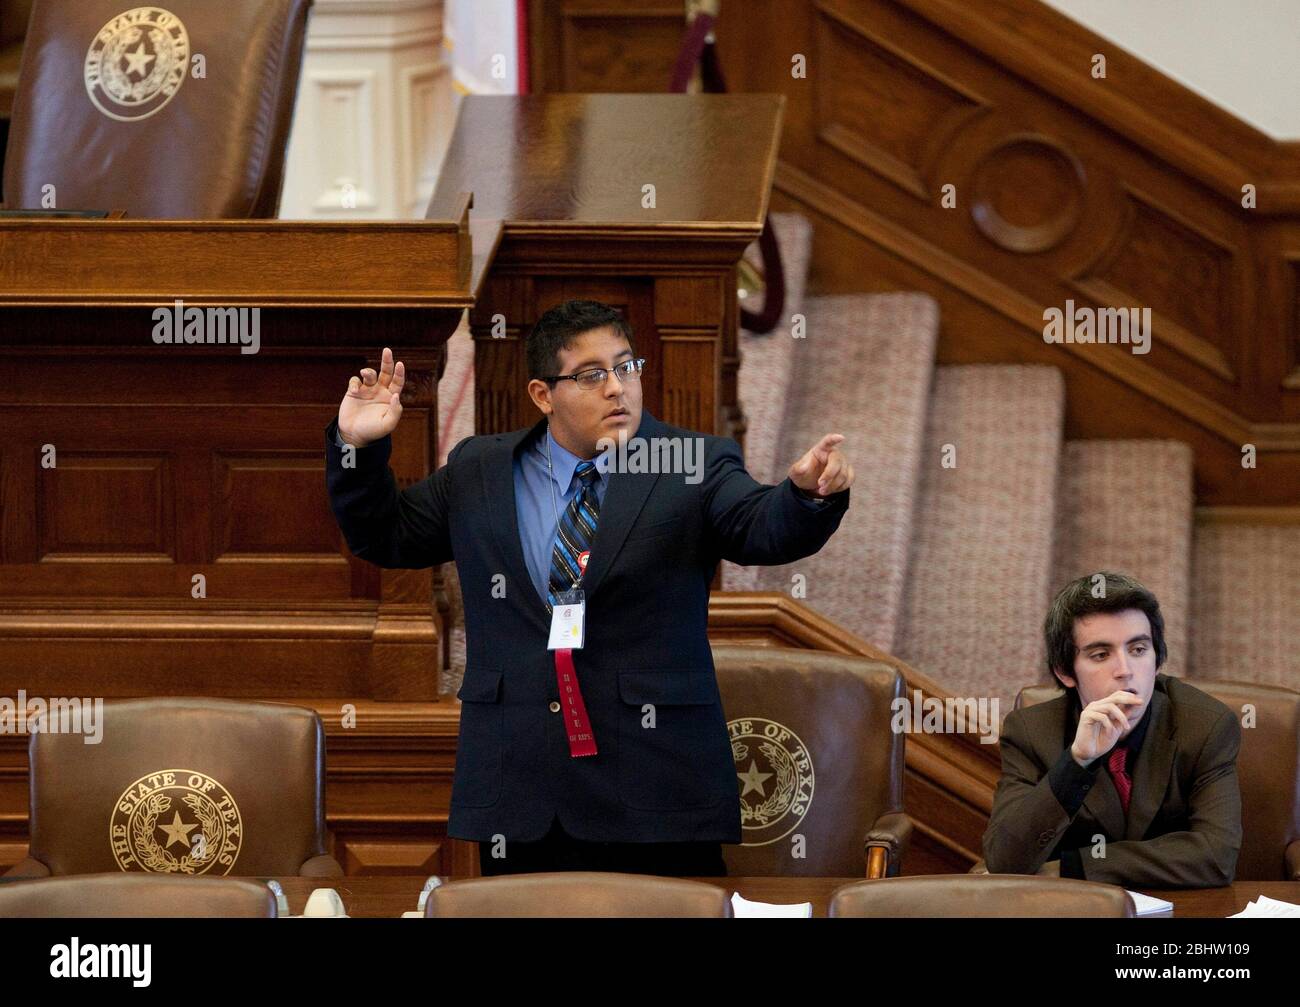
<point x="1184" y="823"/>
<point x="658" y="542"/>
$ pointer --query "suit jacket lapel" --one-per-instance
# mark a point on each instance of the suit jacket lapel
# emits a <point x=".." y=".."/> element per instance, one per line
<point x="502" y="509"/>
<point x="1151" y="780"/>
<point x="624" y="498"/>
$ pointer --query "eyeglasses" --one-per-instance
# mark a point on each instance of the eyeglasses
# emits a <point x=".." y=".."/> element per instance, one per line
<point x="628" y="370"/>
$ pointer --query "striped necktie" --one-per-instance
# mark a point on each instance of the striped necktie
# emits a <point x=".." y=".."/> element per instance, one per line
<point x="1118" y="773"/>
<point x="573" y="536"/>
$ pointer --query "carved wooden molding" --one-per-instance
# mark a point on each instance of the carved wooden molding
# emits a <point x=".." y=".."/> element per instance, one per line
<point x="1158" y="114"/>
<point x="1026" y="312"/>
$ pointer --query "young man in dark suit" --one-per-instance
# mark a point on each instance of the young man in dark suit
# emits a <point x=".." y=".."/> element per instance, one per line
<point x="592" y="735"/>
<point x="1130" y="777"/>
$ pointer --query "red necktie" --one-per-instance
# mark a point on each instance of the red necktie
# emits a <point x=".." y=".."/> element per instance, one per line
<point x="1123" y="785"/>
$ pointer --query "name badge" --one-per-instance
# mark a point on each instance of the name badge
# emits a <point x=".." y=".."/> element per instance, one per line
<point x="567" y="620"/>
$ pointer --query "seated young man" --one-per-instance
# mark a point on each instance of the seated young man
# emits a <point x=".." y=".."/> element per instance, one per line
<point x="1130" y="777"/>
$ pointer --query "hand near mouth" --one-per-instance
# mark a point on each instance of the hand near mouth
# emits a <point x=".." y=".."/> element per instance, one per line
<point x="1102" y="723"/>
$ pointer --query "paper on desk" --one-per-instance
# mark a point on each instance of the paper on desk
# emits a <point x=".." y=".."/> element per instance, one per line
<point x="744" y="908"/>
<point x="1147" y="905"/>
<point x="1266" y="908"/>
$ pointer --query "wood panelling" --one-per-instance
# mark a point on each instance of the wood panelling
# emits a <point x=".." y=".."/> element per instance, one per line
<point x="594" y="46"/>
<point x="99" y="504"/>
<point x="164" y="526"/>
<point x="269" y="505"/>
<point x="861" y="78"/>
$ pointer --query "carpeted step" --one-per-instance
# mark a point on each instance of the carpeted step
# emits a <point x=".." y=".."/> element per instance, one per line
<point x="766" y="370"/>
<point x="981" y="553"/>
<point x="1246" y="601"/>
<point x="863" y="370"/>
<point x="766" y="361"/>
<point x="1126" y="506"/>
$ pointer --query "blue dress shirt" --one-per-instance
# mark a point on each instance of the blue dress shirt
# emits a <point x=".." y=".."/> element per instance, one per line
<point x="536" y="514"/>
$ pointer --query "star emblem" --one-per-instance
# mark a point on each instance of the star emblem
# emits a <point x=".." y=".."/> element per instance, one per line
<point x="177" y="832"/>
<point x="139" y="60"/>
<point x="753" y="780"/>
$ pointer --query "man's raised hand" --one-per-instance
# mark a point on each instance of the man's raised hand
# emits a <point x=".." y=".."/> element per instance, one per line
<point x="373" y="404"/>
<point x="823" y="470"/>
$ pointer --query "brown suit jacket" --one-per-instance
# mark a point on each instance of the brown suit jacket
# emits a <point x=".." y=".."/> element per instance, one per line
<point x="1183" y="828"/>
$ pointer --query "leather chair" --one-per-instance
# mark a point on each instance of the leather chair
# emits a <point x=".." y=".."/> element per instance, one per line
<point x="815" y="757"/>
<point x="980" y="895"/>
<point x="132" y="895"/>
<point x="578" y="894"/>
<point x="1268" y="768"/>
<point x="109" y="113"/>
<point x="188" y="786"/>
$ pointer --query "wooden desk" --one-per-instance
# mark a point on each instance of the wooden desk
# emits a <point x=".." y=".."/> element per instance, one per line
<point x="1228" y="901"/>
<point x="130" y="467"/>
<point x="392" y="896"/>
<point x="564" y="173"/>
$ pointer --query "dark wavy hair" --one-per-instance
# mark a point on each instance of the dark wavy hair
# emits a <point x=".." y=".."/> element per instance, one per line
<point x="1077" y="600"/>
<point x="559" y="326"/>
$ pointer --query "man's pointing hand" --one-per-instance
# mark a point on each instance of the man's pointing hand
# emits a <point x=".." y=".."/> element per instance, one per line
<point x="824" y="469"/>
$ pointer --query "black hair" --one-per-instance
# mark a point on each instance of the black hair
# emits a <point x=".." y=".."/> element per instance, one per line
<point x="1078" y="599"/>
<point x="559" y="326"/>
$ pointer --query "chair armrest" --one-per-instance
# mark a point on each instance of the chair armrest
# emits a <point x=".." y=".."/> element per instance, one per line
<point x="887" y="843"/>
<point x="321" y="866"/>
<point x="28" y="868"/>
<point x="1291" y="860"/>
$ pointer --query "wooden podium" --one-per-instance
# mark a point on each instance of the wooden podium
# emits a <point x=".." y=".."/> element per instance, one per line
<point x="643" y="201"/>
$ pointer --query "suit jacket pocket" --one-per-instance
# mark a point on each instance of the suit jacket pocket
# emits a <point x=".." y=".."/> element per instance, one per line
<point x="673" y="750"/>
<point x="477" y="779"/>
<point x="655" y="530"/>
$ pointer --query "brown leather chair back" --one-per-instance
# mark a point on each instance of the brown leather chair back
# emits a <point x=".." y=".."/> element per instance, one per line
<point x="109" y="113"/>
<point x="248" y="777"/>
<point x="577" y="894"/>
<point x="980" y="895"/>
<point x="123" y="895"/>
<point x="1268" y="768"/>
<point x="815" y="758"/>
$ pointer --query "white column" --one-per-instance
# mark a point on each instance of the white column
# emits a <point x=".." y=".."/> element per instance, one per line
<point x="374" y="114"/>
